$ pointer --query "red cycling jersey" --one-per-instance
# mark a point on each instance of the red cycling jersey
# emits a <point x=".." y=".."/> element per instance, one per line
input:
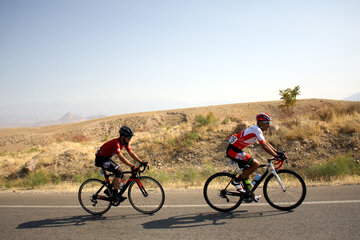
<point x="247" y="137"/>
<point x="112" y="147"/>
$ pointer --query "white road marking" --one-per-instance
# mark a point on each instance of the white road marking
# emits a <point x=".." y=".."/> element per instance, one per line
<point x="181" y="205"/>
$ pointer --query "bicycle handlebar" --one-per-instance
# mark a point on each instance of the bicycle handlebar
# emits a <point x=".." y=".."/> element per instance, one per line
<point x="142" y="167"/>
<point x="278" y="162"/>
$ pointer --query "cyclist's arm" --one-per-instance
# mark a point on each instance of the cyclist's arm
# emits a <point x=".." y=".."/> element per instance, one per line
<point x="124" y="160"/>
<point x="134" y="156"/>
<point x="271" y="146"/>
<point x="268" y="148"/>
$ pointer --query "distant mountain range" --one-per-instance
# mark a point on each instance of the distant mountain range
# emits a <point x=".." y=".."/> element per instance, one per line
<point x="44" y="113"/>
<point x="354" y="97"/>
<point x="67" y="118"/>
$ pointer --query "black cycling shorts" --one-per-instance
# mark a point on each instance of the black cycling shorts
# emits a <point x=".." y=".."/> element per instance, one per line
<point x="108" y="165"/>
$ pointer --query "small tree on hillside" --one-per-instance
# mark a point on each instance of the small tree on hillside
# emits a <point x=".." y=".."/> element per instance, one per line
<point x="289" y="96"/>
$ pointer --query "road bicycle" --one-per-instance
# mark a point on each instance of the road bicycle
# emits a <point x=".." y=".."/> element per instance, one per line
<point x="283" y="189"/>
<point x="145" y="194"/>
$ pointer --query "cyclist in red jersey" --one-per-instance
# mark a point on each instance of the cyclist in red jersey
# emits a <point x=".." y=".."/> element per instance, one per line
<point x="245" y="138"/>
<point x="114" y="147"/>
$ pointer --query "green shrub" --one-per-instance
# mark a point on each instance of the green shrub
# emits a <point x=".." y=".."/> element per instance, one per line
<point x="289" y="96"/>
<point x="190" y="138"/>
<point x="226" y="120"/>
<point x="36" y="179"/>
<point x="340" y="166"/>
<point x="106" y="136"/>
<point x="202" y="121"/>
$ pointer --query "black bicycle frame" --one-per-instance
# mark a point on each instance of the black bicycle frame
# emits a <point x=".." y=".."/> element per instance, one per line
<point x="126" y="185"/>
<point x="263" y="176"/>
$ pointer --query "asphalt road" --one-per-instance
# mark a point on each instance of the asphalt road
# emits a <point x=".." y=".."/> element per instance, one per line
<point x="331" y="212"/>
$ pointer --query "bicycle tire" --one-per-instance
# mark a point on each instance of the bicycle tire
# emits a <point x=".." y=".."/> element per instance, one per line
<point x="292" y="197"/>
<point x="146" y="195"/>
<point x="220" y="194"/>
<point x="92" y="197"/>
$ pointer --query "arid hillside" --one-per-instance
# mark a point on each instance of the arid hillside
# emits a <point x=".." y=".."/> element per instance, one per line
<point x="313" y="131"/>
<point x="14" y="139"/>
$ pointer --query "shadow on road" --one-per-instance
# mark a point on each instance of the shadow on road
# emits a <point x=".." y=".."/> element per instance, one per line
<point x="60" y="222"/>
<point x="205" y="219"/>
<point x="71" y="221"/>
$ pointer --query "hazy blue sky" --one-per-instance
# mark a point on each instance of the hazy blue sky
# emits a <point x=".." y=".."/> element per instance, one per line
<point x="189" y="51"/>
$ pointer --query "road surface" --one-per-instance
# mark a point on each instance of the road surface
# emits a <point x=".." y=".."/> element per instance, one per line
<point x="331" y="212"/>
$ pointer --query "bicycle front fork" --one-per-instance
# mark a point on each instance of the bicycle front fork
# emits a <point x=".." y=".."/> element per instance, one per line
<point x="273" y="171"/>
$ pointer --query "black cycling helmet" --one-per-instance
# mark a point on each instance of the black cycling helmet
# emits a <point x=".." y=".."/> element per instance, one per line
<point x="126" y="131"/>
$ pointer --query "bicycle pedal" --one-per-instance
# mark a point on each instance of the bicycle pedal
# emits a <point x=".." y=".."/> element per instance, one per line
<point x="121" y="198"/>
<point x="117" y="200"/>
<point x="257" y="198"/>
<point x="115" y="203"/>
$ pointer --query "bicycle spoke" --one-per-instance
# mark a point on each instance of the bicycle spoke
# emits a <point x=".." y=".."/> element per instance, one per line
<point x="92" y="197"/>
<point x="147" y="197"/>
<point x="219" y="194"/>
<point x="294" y="194"/>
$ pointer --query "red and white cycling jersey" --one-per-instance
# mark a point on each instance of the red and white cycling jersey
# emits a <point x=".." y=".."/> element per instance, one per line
<point x="247" y="137"/>
<point x="111" y="147"/>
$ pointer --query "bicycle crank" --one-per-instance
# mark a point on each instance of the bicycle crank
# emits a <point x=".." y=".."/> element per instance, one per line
<point x="115" y="203"/>
<point x="249" y="197"/>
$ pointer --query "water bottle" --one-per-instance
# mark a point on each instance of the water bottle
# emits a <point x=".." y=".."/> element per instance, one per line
<point x="101" y="172"/>
<point x="122" y="183"/>
<point x="257" y="177"/>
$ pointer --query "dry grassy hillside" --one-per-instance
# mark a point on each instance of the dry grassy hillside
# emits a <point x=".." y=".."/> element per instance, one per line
<point x="313" y="131"/>
<point x="14" y="139"/>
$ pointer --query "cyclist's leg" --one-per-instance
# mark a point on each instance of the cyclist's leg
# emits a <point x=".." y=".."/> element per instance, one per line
<point x="114" y="168"/>
<point x="111" y="166"/>
<point x="253" y="165"/>
<point x="243" y="159"/>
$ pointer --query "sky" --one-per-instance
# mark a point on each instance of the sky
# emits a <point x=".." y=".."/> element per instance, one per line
<point x="112" y="57"/>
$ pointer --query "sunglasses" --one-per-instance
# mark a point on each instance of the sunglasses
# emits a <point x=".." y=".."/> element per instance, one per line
<point x="267" y="122"/>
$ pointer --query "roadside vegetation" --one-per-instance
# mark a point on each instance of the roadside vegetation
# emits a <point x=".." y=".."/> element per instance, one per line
<point x="335" y="169"/>
<point x="188" y="138"/>
<point x="341" y="169"/>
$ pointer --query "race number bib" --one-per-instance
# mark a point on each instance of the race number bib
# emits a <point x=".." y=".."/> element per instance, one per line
<point x="232" y="139"/>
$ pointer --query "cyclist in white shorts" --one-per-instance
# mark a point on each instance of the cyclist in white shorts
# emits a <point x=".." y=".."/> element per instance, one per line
<point x="245" y="138"/>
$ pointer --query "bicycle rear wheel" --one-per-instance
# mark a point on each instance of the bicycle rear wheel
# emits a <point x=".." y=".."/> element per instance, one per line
<point x="92" y="197"/>
<point x="220" y="194"/>
<point x="291" y="196"/>
<point x="146" y="195"/>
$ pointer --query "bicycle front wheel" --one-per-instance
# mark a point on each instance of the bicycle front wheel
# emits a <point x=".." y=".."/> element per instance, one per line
<point x="146" y="195"/>
<point x="92" y="197"/>
<point x="288" y="196"/>
<point x="220" y="194"/>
